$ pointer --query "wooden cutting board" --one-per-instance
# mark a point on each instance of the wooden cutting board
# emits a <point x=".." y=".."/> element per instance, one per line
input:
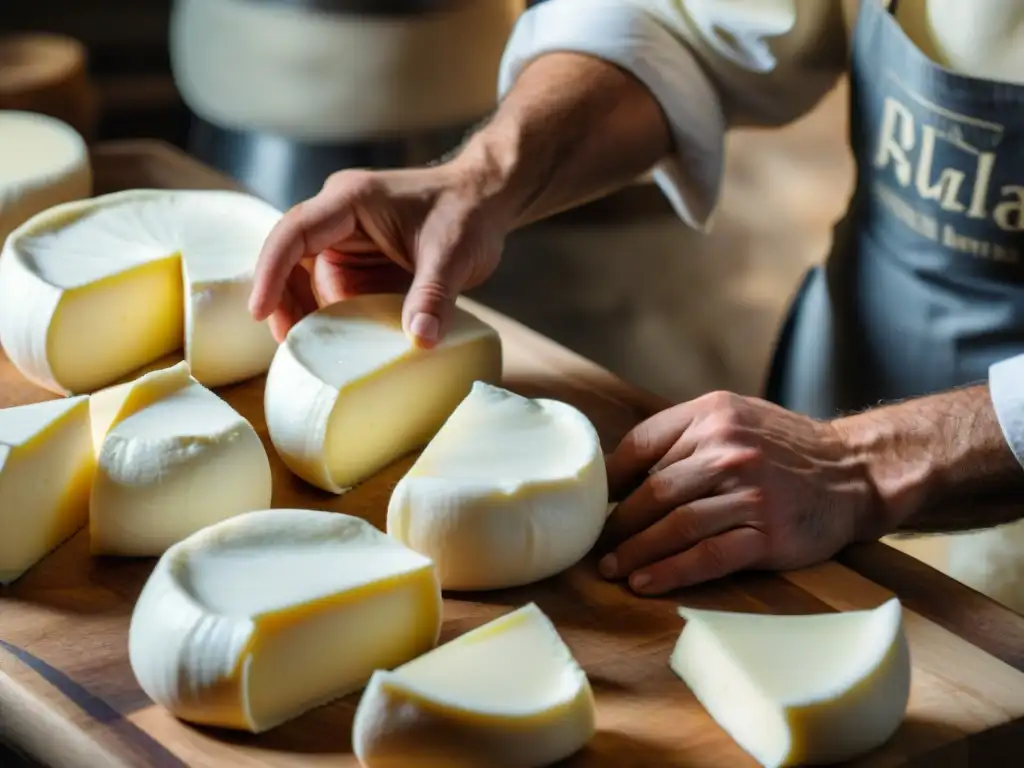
<point x="67" y="695"/>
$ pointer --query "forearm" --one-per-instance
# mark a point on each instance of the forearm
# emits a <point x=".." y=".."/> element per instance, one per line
<point x="572" y="128"/>
<point x="939" y="463"/>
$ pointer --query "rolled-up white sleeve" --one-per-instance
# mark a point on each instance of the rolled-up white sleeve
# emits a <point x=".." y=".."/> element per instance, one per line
<point x="709" y="64"/>
<point x="1006" y="387"/>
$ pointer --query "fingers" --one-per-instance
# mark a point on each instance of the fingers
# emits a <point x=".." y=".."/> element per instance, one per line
<point x="644" y="446"/>
<point x="682" y="528"/>
<point x="735" y="550"/>
<point x="339" y="276"/>
<point x="305" y="230"/>
<point x="431" y="299"/>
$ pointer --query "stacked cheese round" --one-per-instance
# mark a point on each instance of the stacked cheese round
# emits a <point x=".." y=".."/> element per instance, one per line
<point x="508" y="694"/>
<point x="93" y="290"/>
<point x="172" y="458"/>
<point x="349" y="392"/>
<point x="259" y="618"/>
<point x="510" y="491"/>
<point x="44" y="162"/>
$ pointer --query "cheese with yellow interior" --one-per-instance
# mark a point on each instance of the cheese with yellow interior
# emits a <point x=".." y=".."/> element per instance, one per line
<point x="95" y="289"/>
<point x="508" y="694"/>
<point x="255" y="620"/>
<point x="510" y="491"/>
<point x="796" y="690"/>
<point x="43" y="162"/>
<point x="46" y="468"/>
<point x="172" y="458"/>
<point x="348" y="392"/>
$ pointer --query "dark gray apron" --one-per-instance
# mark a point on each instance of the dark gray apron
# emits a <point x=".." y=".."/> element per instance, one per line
<point x="924" y="287"/>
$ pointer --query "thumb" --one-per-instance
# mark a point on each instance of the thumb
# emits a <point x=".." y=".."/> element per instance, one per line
<point x="430" y="303"/>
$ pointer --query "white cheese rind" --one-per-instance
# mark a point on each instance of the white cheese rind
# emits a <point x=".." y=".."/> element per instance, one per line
<point x="255" y="620"/>
<point x="45" y="162"/>
<point x="173" y="459"/>
<point x="95" y="289"/>
<point x="506" y="695"/>
<point x="46" y="468"/>
<point x="348" y="392"/>
<point x="509" y="492"/>
<point x="796" y="690"/>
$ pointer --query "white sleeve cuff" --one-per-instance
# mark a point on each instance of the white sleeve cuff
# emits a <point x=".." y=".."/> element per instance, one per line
<point x="640" y="43"/>
<point x="1006" y="386"/>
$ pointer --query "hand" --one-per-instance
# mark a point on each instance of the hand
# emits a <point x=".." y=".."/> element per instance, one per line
<point x="731" y="483"/>
<point x="428" y="231"/>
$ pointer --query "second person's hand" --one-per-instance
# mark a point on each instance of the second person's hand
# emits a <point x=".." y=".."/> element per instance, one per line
<point x="431" y="232"/>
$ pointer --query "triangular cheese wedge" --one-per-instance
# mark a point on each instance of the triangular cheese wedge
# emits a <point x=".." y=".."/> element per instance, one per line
<point x="794" y="690"/>
<point x="257" y="619"/>
<point x="508" y="693"/>
<point x="510" y="491"/>
<point x="46" y="469"/>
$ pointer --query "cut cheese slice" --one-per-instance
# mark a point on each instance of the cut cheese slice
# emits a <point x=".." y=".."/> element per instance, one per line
<point x="172" y="458"/>
<point x="44" y="162"/>
<point x="93" y="290"/>
<point x="510" y="491"/>
<point x="46" y="467"/>
<point x="506" y="695"/>
<point x="255" y="620"/>
<point x="795" y="690"/>
<point x="348" y="392"/>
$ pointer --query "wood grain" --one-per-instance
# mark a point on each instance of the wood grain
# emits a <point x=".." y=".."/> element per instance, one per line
<point x="67" y="695"/>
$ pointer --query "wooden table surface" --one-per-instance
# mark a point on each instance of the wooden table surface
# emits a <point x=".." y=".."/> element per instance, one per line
<point x="68" y="698"/>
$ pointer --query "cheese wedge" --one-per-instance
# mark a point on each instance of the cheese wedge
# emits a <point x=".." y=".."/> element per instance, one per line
<point x="43" y="162"/>
<point x="510" y="491"/>
<point x="172" y="458"/>
<point x="506" y="695"/>
<point x="348" y="392"/>
<point x="260" y="618"/>
<point x="796" y="690"/>
<point x="93" y="290"/>
<point x="46" y="466"/>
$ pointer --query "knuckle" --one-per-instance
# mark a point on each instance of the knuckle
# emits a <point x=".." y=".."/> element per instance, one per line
<point x="660" y="488"/>
<point x="737" y="460"/>
<point x="684" y="524"/>
<point x="352" y="181"/>
<point x="715" y="556"/>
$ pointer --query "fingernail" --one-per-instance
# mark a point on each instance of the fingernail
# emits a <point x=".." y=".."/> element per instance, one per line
<point x="425" y="327"/>
<point x="609" y="566"/>
<point x="639" y="581"/>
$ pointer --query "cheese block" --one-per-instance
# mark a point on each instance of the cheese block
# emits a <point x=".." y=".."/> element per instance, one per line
<point x="510" y="491"/>
<point x="45" y="163"/>
<point x="260" y="618"/>
<point x="799" y="690"/>
<point x="95" y="289"/>
<point x="348" y="392"/>
<point x="172" y="458"/>
<point x="46" y="467"/>
<point x="506" y="695"/>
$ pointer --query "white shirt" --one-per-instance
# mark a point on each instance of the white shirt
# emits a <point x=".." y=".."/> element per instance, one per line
<point x="717" y="64"/>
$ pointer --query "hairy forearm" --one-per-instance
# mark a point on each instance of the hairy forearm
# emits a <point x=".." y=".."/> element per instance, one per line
<point x="572" y="129"/>
<point x="939" y="463"/>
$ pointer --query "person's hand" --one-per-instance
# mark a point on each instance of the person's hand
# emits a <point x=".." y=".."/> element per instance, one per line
<point x="428" y="231"/>
<point x="726" y="483"/>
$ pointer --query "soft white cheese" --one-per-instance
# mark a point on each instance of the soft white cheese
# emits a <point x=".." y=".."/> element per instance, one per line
<point x="506" y="695"/>
<point x="348" y="392"/>
<point x="43" y="162"/>
<point x="796" y="690"/>
<point x="46" y="468"/>
<point x="93" y="290"/>
<point x="257" y="619"/>
<point x="172" y="458"/>
<point x="510" y="491"/>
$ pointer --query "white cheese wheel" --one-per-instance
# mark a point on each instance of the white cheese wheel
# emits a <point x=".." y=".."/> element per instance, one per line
<point x="93" y="290"/>
<point x="46" y="468"/>
<point x="348" y="392"/>
<point x="510" y="491"/>
<point x="44" y="162"/>
<point x="508" y="694"/>
<point x="258" y="619"/>
<point x="799" y="690"/>
<point x="172" y="458"/>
